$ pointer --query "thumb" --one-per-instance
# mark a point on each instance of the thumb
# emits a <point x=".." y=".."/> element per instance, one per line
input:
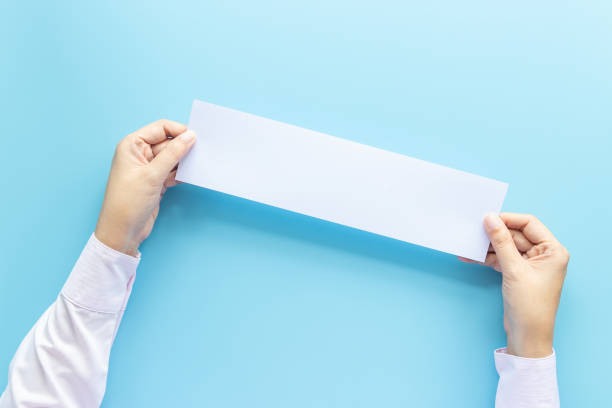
<point x="175" y="150"/>
<point x="502" y="242"/>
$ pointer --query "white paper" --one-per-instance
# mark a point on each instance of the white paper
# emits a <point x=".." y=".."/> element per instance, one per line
<point x="340" y="181"/>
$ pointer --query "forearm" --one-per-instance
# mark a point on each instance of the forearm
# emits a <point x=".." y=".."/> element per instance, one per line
<point x="63" y="360"/>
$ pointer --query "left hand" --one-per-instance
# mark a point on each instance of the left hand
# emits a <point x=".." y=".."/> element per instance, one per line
<point x="144" y="166"/>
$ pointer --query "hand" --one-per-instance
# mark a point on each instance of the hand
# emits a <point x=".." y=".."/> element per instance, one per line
<point x="143" y="167"/>
<point x="533" y="265"/>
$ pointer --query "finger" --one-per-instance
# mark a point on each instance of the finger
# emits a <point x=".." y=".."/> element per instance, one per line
<point x="148" y="152"/>
<point x="171" y="180"/>
<point x="492" y="261"/>
<point x="542" y="249"/>
<point x="530" y="226"/>
<point x="156" y="148"/>
<point x="160" y="130"/>
<point x="521" y="242"/>
<point x="169" y="157"/>
<point x="501" y="239"/>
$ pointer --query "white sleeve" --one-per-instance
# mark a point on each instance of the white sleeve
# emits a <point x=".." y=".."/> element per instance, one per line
<point x="526" y="382"/>
<point x="63" y="360"/>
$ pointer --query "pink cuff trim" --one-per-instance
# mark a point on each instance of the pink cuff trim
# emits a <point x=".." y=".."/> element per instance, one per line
<point x="101" y="278"/>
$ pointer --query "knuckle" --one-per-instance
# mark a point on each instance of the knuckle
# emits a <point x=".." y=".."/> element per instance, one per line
<point x="161" y="122"/>
<point x="501" y="238"/>
<point x="139" y="142"/>
<point x="122" y="144"/>
<point x="564" y="255"/>
<point x="156" y="128"/>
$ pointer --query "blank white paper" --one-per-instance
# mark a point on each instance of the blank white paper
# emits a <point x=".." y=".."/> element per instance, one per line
<point x="340" y="181"/>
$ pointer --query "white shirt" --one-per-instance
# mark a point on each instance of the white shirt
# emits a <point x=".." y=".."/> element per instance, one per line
<point x="63" y="360"/>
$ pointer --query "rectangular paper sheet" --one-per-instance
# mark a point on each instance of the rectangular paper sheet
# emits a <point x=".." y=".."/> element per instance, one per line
<point x="340" y="181"/>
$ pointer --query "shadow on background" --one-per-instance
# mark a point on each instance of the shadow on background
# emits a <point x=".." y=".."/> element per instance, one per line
<point x="196" y="205"/>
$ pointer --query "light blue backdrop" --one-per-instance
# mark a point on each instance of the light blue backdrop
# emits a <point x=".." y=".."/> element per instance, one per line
<point x="241" y="305"/>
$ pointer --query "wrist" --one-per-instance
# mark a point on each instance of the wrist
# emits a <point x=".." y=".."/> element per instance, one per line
<point x="115" y="239"/>
<point x="530" y="345"/>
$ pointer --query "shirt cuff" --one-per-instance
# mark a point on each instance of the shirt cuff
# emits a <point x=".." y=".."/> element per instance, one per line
<point x="101" y="279"/>
<point x="526" y="382"/>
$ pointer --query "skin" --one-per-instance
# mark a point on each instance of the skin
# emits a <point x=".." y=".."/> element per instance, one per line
<point x="533" y="266"/>
<point x="532" y="262"/>
<point x="144" y="166"/>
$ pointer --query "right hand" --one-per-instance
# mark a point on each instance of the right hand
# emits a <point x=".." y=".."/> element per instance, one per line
<point x="533" y="265"/>
<point x="144" y="166"/>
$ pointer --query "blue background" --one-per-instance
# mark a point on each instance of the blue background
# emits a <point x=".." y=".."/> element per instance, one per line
<point x="239" y="304"/>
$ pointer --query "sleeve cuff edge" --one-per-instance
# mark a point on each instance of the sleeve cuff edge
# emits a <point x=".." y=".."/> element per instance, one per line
<point x="113" y="252"/>
<point x="502" y="353"/>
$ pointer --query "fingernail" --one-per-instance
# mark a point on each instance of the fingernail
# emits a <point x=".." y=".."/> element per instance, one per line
<point x="493" y="222"/>
<point x="187" y="137"/>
